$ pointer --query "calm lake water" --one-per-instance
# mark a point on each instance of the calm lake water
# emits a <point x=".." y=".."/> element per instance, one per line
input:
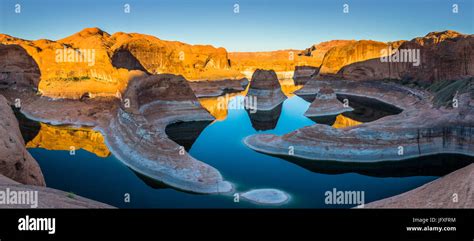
<point x="220" y="144"/>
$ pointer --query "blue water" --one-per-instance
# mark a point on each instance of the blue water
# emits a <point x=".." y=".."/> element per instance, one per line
<point x="220" y="145"/>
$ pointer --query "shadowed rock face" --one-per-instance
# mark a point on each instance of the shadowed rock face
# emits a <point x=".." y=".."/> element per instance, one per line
<point x="265" y="87"/>
<point x="17" y="68"/>
<point x="444" y="55"/>
<point x="15" y="161"/>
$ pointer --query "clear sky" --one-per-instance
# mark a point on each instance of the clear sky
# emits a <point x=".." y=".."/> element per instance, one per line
<point x="260" y="24"/>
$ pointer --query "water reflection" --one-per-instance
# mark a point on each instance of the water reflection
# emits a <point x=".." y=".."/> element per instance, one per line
<point x="434" y="165"/>
<point x="64" y="138"/>
<point x="265" y="120"/>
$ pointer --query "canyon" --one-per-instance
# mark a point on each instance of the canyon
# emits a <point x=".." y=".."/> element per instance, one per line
<point x="138" y="85"/>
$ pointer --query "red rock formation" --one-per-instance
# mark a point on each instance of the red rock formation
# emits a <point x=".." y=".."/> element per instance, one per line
<point x="444" y="55"/>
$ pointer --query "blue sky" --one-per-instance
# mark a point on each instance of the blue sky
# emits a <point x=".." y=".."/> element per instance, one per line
<point x="260" y="24"/>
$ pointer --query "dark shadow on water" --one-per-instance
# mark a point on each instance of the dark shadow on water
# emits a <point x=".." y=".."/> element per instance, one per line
<point x="155" y="184"/>
<point x="326" y="120"/>
<point x="433" y="165"/>
<point x="367" y="109"/>
<point x="265" y="120"/>
<point x="186" y="133"/>
<point x="29" y="129"/>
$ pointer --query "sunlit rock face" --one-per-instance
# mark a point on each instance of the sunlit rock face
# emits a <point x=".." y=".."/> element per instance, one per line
<point x="69" y="138"/>
<point x="15" y="161"/>
<point x="444" y="55"/>
<point x="17" y="68"/>
<point x="96" y="63"/>
<point x="345" y="54"/>
<point x="283" y="62"/>
<point x="194" y="62"/>
<point x="265" y="87"/>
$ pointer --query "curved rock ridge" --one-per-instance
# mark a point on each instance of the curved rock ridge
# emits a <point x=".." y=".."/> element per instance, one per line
<point x="137" y="134"/>
<point x="390" y="138"/>
<point x="326" y="104"/>
<point x="454" y="190"/>
<point x="48" y="197"/>
<point x="444" y="55"/>
<point x="265" y="88"/>
<point x="15" y="161"/>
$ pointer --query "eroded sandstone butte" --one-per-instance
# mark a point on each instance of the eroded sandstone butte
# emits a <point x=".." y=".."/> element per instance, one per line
<point x="265" y="88"/>
<point x="96" y="63"/>
<point x="446" y="55"/>
<point x="15" y="161"/>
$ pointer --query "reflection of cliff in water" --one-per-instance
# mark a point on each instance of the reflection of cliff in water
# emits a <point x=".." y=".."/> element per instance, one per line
<point x="433" y="165"/>
<point x="28" y="128"/>
<point x="186" y="133"/>
<point x="265" y="120"/>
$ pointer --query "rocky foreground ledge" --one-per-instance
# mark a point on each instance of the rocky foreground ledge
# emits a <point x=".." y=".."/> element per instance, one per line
<point x="419" y="130"/>
<point x="454" y="190"/>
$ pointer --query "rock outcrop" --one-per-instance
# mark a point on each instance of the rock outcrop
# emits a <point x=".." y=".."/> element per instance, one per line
<point x="15" y="161"/>
<point x="326" y="104"/>
<point x="454" y="190"/>
<point x="444" y="55"/>
<point x="265" y="87"/>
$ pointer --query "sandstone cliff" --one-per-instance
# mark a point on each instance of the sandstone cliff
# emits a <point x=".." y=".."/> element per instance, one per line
<point x="444" y="55"/>
<point x="96" y="63"/>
